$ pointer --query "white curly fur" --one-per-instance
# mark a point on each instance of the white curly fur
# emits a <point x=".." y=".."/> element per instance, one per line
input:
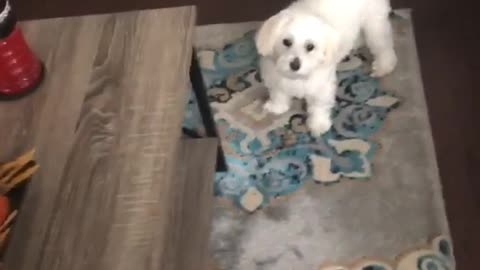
<point x="302" y="45"/>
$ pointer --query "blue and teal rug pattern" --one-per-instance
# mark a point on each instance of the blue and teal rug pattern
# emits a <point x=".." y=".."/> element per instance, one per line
<point x="271" y="156"/>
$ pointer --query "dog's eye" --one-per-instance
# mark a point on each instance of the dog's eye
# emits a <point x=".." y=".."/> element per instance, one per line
<point x="310" y="47"/>
<point x="287" y="42"/>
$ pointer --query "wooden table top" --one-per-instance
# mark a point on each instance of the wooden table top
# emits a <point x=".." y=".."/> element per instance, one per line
<point x="106" y="125"/>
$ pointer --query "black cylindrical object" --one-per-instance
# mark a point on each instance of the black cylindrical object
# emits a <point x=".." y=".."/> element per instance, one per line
<point x="7" y="19"/>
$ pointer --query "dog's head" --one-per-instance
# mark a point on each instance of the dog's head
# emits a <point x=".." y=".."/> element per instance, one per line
<point x="298" y="43"/>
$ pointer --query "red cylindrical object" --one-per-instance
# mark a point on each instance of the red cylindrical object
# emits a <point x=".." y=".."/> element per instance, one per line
<point x="20" y="70"/>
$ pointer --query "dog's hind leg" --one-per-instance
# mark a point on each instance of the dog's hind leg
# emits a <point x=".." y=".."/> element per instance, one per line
<point x="379" y="38"/>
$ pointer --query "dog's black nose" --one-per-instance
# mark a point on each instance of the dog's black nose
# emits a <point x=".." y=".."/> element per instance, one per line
<point x="295" y="64"/>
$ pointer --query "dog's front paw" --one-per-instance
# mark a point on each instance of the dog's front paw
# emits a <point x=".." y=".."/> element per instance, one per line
<point x="319" y="125"/>
<point x="275" y="107"/>
<point x="384" y="64"/>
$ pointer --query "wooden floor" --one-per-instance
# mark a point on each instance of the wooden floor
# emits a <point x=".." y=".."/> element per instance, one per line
<point x="117" y="188"/>
<point x="448" y="37"/>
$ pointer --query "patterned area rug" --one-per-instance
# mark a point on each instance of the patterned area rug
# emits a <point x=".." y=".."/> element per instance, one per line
<point x="291" y="209"/>
<point x="272" y="156"/>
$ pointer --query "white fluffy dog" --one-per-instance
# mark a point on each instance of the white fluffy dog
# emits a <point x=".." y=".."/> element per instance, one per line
<point x="302" y="45"/>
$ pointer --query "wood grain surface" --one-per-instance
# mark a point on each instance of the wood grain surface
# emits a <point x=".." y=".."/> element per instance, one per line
<point x="191" y="212"/>
<point x="106" y="125"/>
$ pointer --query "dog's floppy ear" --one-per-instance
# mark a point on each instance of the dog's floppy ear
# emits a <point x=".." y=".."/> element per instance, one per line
<point x="269" y="32"/>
